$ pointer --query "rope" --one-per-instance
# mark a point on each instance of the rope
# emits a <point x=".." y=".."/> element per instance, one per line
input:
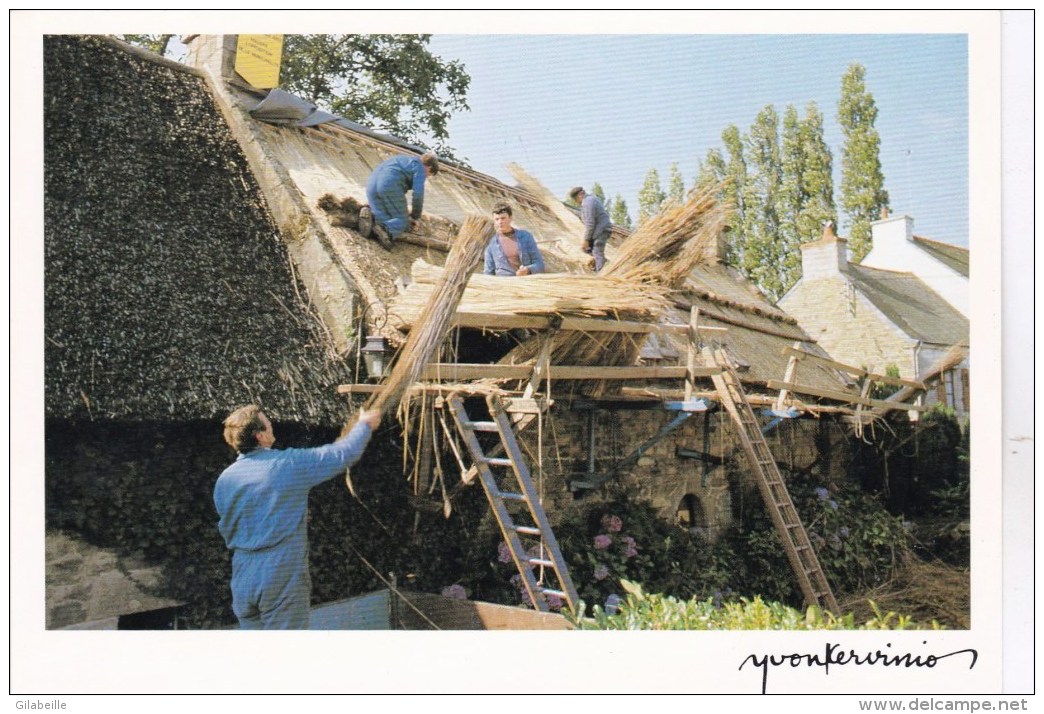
<point x="392" y="587"/>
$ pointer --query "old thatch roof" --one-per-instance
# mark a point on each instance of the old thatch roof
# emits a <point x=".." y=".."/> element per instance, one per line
<point x="168" y="292"/>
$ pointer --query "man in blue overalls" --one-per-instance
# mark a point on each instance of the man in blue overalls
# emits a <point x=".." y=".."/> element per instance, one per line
<point x="262" y="501"/>
<point x="386" y="194"/>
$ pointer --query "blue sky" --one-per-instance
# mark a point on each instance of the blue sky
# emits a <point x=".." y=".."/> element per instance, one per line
<point x="575" y="109"/>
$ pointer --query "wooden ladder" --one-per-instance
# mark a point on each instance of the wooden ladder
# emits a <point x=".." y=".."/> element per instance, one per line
<point x="515" y="503"/>
<point x="802" y="555"/>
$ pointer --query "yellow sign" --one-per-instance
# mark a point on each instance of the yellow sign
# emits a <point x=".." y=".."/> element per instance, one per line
<point x="257" y="59"/>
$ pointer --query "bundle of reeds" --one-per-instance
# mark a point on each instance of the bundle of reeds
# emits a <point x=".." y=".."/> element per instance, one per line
<point x="544" y="294"/>
<point x="659" y="255"/>
<point x="432" y="324"/>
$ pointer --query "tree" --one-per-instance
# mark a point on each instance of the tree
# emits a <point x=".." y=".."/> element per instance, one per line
<point x="806" y="193"/>
<point x="651" y="197"/>
<point x="619" y="214"/>
<point x="734" y="190"/>
<point x="598" y="192"/>
<point x="392" y="83"/>
<point x="862" y="182"/>
<point x="761" y="250"/>
<point x="817" y="177"/>
<point x="153" y="43"/>
<point x="676" y="185"/>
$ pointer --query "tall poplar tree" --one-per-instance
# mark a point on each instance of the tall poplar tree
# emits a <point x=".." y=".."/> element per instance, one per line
<point x="762" y="253"/>
<point x="862" y="181"/>
<point x="675" y="185"/>
<point x="619" y="215"/>
<point x="651" y="197"/>
<point x="817" y="177"/>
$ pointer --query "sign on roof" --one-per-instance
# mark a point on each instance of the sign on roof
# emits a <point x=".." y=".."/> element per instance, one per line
<point x="257" y="59"/>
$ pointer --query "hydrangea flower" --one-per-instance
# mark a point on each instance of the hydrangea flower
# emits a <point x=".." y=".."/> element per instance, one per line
<point x="844" y="531"/>
<point x="601" y="572"/>
<point x="822" y="494"/>
<point x="632" y="547"/>
<point x="503" y="553"/>
<point x="554" y="602"/>
<point x="602" y="541"/>
<point x="612" y="604"/>
<point x="613" y="524"/>
<point x="456" y="591"/>
<point x="833" y="504"/>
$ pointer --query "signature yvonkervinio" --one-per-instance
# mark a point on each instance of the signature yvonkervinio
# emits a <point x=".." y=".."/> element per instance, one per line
<point x="835" y="655"/>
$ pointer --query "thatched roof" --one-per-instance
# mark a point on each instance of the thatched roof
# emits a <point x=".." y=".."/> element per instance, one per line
<point x="168" y="291"/>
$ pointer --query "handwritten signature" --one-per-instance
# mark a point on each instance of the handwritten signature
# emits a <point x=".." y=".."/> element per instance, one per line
<point x="835" y="655"/>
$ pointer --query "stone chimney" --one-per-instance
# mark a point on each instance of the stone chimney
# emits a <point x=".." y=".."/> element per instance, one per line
<point x="826" y="257"/>
<point x="891" y="231"/>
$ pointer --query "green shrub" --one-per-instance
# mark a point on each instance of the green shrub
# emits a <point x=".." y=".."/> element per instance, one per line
<point x="642" y="611"/>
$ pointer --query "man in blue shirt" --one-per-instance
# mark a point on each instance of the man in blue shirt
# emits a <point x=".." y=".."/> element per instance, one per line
<point x="262" y="501"/>
<point x="511" y="251"/>
<point x="597" y="226"/>
<point x="386" y="193"/>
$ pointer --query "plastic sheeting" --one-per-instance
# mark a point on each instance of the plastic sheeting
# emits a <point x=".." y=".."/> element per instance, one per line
<point x="281" y="107"/>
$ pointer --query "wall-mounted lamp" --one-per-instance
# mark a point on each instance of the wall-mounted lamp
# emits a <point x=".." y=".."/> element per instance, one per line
<point x="377" y="355"/>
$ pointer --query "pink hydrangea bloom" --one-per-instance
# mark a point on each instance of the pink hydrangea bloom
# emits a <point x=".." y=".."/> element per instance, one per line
<point x="631" y="547"/>
<point x="601" y="572"/>
<point x="456" y="590"/>
<point x="613" y="524"/>
<point x="503" y="553"/>
<point x="602" y="541"/>
<point x="554" y="602"/>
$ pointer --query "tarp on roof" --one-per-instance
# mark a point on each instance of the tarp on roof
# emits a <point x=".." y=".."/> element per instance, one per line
<point x="281" y="107"/>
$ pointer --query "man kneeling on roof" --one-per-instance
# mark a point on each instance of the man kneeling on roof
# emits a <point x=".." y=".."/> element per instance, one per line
<point x="511" y="251"/>
<point x="386" y="193"/>
<point x="262" y="501"/>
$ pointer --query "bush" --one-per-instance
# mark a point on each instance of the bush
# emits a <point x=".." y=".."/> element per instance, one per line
<point x="641" y="611"/>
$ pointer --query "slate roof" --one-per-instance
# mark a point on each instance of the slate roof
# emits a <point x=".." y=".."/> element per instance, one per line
<point x="953" y="256"/>
<point x="911" y="305"/>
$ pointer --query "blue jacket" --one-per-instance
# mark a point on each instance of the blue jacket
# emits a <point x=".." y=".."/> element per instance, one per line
<point x="597" y="226"/>
<point x="262" y="498"/>
<point x="396" y="176"/>
<point x="528" y="255"/>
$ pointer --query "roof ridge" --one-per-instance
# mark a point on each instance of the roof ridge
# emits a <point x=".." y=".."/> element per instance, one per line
<point x="942" y="243"/>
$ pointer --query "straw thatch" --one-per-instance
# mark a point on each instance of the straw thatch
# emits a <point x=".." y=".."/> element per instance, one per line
<point x="434" y="320"/>
<point x="543" y="294"/>
<point x="659" y="255"/>
<point x="169" y="295"/>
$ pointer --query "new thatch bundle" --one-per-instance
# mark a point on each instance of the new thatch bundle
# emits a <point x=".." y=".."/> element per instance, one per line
<point x="431" y="326"/>
<point x="558" y="294"/>
<point x="659" y="255"/>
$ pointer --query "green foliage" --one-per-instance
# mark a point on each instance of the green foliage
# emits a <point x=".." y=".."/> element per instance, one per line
<point x="675" y="185"/>
<point x="618" y="213"/>
<point x="391" y="82"/>
<point x="598" y="192"/>
<point x="646" y="611"/>
<point x="153" y="43"/>
<point x="862" y="181"/>
<point x="761" y="223"/>
<point x="651" y="197"/>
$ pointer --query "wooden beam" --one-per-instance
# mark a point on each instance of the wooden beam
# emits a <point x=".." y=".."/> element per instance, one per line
<point x="842" y="396"/>
<point x="788" y="376"/>
<point x="503" y="321"/>
<point x="855" y="370"/>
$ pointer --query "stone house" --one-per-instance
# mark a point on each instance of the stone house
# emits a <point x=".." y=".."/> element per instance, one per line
<point x="173" y="200"/>
<point x="884" y="318"/>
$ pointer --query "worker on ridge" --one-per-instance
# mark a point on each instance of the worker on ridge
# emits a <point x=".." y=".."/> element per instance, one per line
<point x="597" y="226"/>
<point x="262" y="501"/>
<point x="511" y="251"/>
<point x="386" y="193"/>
